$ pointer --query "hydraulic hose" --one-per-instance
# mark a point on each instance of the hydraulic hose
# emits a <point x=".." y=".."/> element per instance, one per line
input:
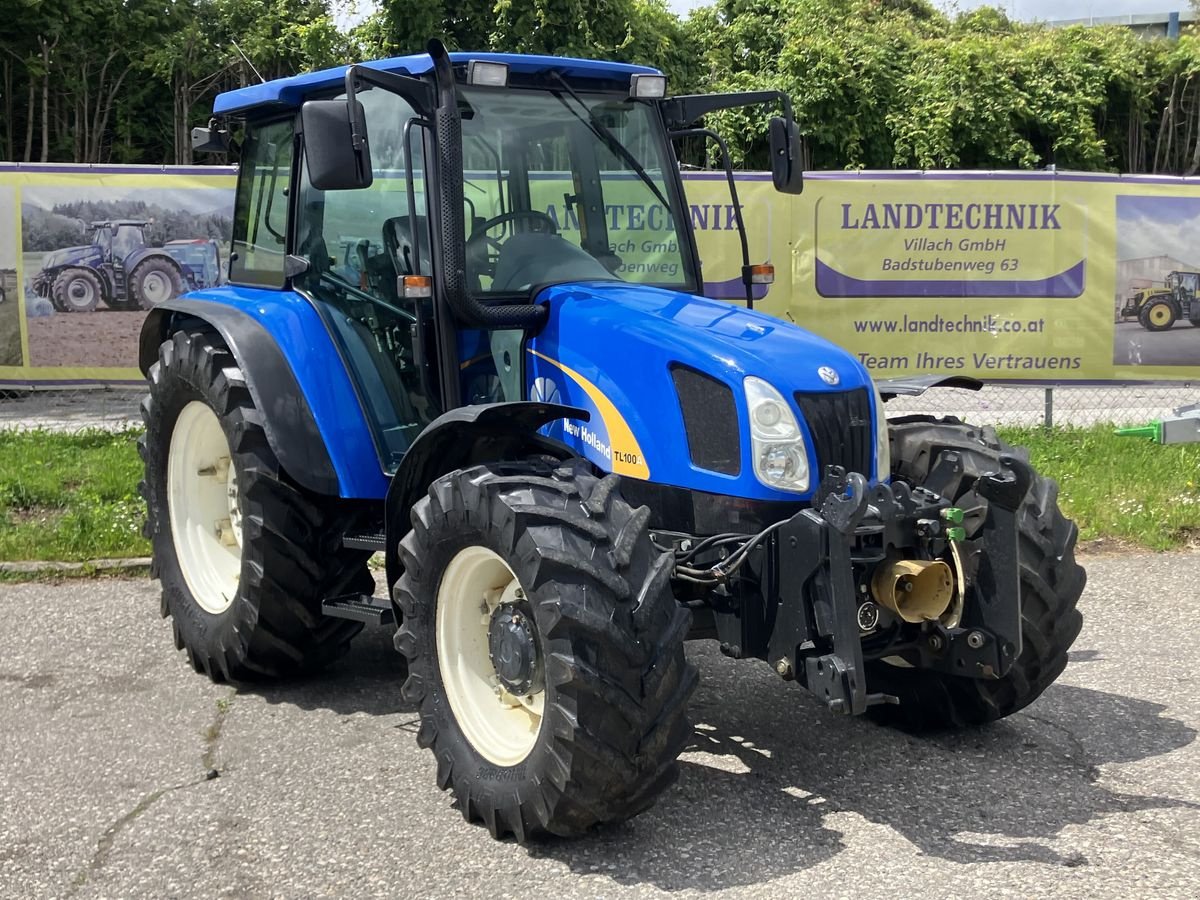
<point x="448" y="141"/>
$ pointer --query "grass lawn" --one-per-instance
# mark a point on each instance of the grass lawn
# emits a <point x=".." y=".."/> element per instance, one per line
<point x="70" y="497"/>
<point x="73" y="497"/>
<point x="1130" y="489"/>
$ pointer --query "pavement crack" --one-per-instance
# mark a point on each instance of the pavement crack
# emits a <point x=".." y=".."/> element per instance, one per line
<point x="104" y="844"/>
<point x="1080" y="757"/>
<point x="106" y="841"/>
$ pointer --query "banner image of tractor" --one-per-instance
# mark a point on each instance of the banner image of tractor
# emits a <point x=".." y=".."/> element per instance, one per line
<point x="96" y="258"/>
<point x="10" y="307"/>
<point x="1158" y="282"/>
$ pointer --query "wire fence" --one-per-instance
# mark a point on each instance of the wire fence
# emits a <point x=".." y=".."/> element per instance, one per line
<point x="115" y="408"/>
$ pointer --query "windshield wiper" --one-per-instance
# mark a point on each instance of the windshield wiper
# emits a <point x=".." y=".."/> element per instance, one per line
<point x="600" y="130"/>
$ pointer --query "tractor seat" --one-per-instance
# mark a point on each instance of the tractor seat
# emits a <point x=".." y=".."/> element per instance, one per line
<point x="398" y="240"/>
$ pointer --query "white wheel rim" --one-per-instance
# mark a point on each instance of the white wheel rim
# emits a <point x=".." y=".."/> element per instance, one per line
<point x="155" y="287"/>
<point x="501" y="727"/>
<point x="80" y="293"/>
<point x="204" y="508"/>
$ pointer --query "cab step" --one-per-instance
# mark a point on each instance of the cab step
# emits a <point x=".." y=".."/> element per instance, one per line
<point x="359" y="608"/>
<point x="375" y="541"/>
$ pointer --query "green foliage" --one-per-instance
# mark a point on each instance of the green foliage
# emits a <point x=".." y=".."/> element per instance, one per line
<point x="1129" y="489"/>
<point x="66" y="224"/>
<point x="70" y="497"/>
<point x="881" y="84"/>
<point x="876" y="83"/>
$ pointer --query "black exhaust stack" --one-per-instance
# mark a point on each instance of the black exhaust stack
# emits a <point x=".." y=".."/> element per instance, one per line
<point x="448" y="141"/>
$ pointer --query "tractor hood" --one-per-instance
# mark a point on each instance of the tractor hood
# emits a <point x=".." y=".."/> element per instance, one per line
<point x="69" y="256"/>
<point x="618" y="350"/>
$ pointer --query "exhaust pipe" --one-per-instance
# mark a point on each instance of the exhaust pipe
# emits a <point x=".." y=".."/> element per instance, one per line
<point x="914" y="589"/>
<point x="448" y="146"/>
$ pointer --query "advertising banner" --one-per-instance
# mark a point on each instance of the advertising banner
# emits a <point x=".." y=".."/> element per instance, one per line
<point x="1006" y="276"/>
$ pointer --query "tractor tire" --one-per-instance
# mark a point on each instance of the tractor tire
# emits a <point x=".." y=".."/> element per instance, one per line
<point x="1051" y="584"/>
<point x="1158" y="315"/>
<point x="551" y="559"/>
<point x="76" y="290"/>
<point x="154" y="281"/>
<point x="244" y="554"/>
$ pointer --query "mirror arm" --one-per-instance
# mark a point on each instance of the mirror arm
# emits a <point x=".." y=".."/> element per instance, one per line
<point x="417" y="92"/>
<point x="682" y="111"/>
<point x="727" y="161"/>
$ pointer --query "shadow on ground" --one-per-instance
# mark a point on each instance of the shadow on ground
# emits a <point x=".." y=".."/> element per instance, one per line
<point x="763" y="753"/>
<point x="368" y="679"/>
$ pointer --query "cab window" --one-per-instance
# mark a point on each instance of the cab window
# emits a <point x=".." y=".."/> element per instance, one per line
<point x="261" y="205"/>
<point x="357" y="244"/>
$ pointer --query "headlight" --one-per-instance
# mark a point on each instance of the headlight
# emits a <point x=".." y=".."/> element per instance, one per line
<point x="883" y="449"/>
<point x="776" y="444"/>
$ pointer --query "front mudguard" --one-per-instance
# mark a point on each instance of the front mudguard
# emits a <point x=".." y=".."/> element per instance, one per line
<point x="823" y="558"/>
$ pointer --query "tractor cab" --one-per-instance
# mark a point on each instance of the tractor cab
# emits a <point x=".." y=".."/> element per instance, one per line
<point x="1184" y="283"/>
<point x="425" y="205"/>
<point x="119" y="239"/>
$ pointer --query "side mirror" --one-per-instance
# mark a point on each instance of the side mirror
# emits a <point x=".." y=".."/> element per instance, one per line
<point x="210" y="140"/>
<point x="787" y="170"/>
<point x="334" y="161"/>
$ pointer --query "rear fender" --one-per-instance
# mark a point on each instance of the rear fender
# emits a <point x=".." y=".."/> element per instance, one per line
<point x="463" y="437"/>
<point x="311" y="414"/>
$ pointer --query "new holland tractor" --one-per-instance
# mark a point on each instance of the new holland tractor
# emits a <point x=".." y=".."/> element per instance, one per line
<point x="570" y="460"/>
<point x="119" y="267"/>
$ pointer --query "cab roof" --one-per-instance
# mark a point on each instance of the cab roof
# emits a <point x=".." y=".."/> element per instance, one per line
<point x="291" y="92"/>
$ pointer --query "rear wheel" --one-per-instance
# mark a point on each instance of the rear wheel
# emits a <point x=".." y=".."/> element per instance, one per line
<point x="1158" y="315"/>
<point x="244" y="554"/>
<point x="154" y="281"/>
<point x="1051" y="584"/>
<point x="544" y="647"/>
<point x="76" y="290"/>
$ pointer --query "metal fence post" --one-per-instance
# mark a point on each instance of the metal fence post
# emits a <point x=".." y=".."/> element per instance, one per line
<point x="1048" y="414"/>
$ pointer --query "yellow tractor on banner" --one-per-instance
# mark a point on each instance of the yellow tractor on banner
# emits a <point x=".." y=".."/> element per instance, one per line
<point x="1158" y="308"/>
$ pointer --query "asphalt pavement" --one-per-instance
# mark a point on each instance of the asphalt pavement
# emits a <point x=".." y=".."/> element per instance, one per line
<point x="1133" y="345"/>
<point x="106" y="738"/>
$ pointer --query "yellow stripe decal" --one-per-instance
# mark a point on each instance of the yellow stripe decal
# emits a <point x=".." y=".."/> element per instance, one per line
<point x="627" y="458"/>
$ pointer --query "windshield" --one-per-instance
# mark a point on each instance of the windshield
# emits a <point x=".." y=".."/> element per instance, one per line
<point x="562" y="187"/>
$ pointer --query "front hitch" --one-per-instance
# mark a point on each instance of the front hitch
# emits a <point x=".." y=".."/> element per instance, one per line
<point x="827" y="559"/>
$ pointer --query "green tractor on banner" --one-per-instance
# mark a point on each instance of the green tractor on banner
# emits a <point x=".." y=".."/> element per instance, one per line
<point x="1158" y="308"/>
<point x="571" y="460"/>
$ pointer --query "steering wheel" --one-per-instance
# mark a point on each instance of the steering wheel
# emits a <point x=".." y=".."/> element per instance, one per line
<point x="479" y="260"/>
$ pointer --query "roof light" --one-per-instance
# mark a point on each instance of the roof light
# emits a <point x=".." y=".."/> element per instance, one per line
<point x="415" y="286"/>
<point x="487" y="74"/>
<point x="647" y="87"/>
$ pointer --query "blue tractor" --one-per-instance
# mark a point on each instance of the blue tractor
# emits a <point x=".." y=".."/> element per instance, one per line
<point x="570" y="460"/>
<point x="117" y="266"/>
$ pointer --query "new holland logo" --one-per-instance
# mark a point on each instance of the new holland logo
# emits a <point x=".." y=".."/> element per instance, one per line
<point x="828" y="375"/>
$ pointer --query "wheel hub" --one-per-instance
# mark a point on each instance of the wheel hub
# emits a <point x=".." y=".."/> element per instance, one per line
<point x="513" y="649"/>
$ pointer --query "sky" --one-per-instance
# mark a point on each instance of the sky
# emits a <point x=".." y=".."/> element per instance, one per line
<point x="1154" y="226"/>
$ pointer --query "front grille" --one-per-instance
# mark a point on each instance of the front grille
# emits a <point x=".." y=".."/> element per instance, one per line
<point x="709" y="420"/>
<point x="840" y="425"/>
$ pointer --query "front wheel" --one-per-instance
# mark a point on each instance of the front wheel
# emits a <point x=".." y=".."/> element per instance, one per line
<point x="76" y="290"/>
<point x="544" y="647"/>
<point x="1051" y="583"/>
<point x="244" y="554"/>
